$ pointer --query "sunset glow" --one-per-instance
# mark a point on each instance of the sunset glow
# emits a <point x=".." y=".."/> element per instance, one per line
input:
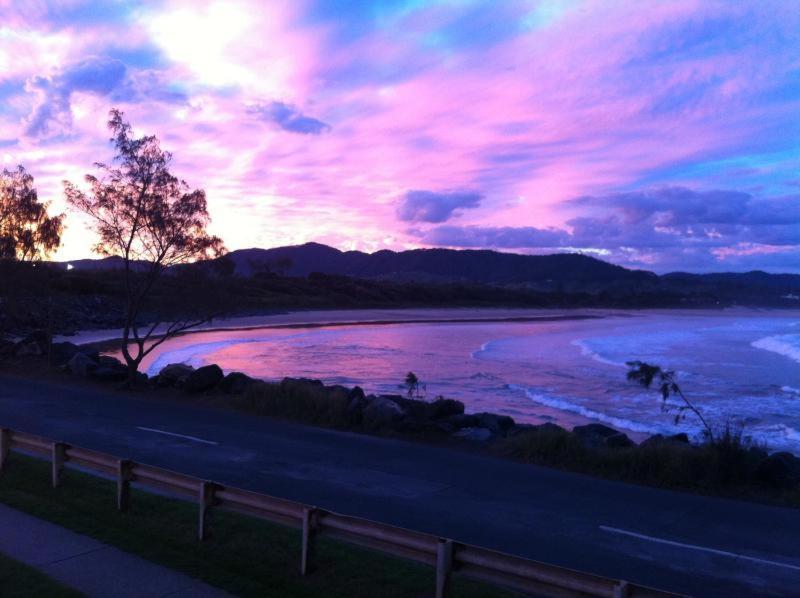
<point x="659" y="135"/>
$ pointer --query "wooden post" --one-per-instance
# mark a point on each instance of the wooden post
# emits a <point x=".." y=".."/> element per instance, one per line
<point x="444" y="566"/>
<point x="59" y="456"/>
<point x="621" y="590"/>
<point x="307" y="546"/>
<point x="124" y="478"/>
<point x="5" y="446"/>
<point x="206" y="501"/>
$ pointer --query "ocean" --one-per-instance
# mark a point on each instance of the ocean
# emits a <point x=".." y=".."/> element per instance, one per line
<point x="740" y="367"/>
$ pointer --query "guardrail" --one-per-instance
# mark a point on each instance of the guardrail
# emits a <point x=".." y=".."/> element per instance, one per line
<point x="447" y="556"/>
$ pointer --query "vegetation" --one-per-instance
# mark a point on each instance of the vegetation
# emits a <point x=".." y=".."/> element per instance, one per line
<point x="244" y="556"/>
<point x="729" y="466"/>
<point x="310" y="403"/>
<point x="414" y="388"/>
<point x="27" y="231"/>
<point x="18" y="580"/>
<point x="153" y="221"/>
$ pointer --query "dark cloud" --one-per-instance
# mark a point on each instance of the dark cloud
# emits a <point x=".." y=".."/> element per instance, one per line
<point x="92" y="75"/>
<point x="506" y="237"/>
<point x="668" y="228"/>
<point x="100" y="76"/>
<point x="430" y="206"/>
<point x="289" y="118"/>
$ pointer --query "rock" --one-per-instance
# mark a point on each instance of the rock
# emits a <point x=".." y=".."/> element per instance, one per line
<point x="600" y="436"/>
<point x="356" y="394"/>
<point x="109" y="369"/>
<point x="61" y="353"/>
<point x="463" y="420"/>
<point x="681" y="439"/>
<point x="442" y="407"/>
<point x="81" y="365"/>
<point x="175" y="374"/>
<point x="236" y="383"/>
<point x="23" y="349"/>
<point x="474" y="434"/>
<point x="381" y="411"/>
<point x="204" y="378"/>
<point x="497" y="424"/>
<point x="292" y="385"/>
<point x="780" y="470"/>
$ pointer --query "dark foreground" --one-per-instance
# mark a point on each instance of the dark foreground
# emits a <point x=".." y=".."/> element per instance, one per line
<point x="679" y="542"/>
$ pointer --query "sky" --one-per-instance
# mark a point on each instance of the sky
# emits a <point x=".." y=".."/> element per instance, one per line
<point x="662" y="135"/>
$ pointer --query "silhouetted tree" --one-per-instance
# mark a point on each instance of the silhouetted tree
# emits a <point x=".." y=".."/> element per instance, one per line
<point x="414" y="388"/>
<point x="646" y="374"/>
<point x="153" y="220"/>
<point x="27" y="232"/>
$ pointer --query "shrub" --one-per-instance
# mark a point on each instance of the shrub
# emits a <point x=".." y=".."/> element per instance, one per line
<point x="302" y="400"/>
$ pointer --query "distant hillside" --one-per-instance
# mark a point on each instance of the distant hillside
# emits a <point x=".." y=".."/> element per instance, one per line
<point x="435" y="265"/>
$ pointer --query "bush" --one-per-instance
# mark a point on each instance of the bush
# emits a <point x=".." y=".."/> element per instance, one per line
<point x="303" y="400"/>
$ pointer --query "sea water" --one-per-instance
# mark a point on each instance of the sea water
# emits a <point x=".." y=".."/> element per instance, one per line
<point x="740" y="368"/>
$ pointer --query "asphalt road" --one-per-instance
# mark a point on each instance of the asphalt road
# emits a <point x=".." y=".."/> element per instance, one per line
<point x="680" y="542"/>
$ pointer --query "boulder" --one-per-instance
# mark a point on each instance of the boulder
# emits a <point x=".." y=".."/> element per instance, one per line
<point x="81" y="365"/>
<point x="381" y="411"/>
<point x="464" y="420"/>
<point x="204" y="378"/>
<point x="109" y="369"/>
<point x="780" y="470"/>
<point x="175" y="374"/>
<point x="681" y="439"/>
<point x="35" y="344"/>
<point x="600" y="436"/>
<point x="496" y="424"/>
<point x="475" y="434"/>
<point x="61" y="353"/>
<point x="442" y="407"/>
<point x="236" y="383"/>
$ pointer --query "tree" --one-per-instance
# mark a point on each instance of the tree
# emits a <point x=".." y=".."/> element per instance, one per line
<point x="27" y="231"/>
<point x="153" y="221"/>
<point x="645" y="374"/>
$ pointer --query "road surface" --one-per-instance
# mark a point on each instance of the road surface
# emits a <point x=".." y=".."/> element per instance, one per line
<point x="685" y="543"/>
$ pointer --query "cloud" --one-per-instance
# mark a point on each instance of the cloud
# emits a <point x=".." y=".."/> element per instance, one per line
<point x="95" y="75"/>
<point x="288" y="118"/>
<point x="430" y="206"/>
<point x="501" y="237"/>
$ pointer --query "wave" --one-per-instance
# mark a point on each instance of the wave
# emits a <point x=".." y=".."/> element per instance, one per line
<point x="787" y="345"/>
<point x="564" y="405"/>
<point x="589" y="352"/>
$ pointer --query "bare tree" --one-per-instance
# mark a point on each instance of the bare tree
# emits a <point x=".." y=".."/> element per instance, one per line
<point x="646" y="374"/>
<point x="153" y="221"/>
<point x="27" y="231"/>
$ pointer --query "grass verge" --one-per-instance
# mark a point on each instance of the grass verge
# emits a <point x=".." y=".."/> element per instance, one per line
<point x="18" y="580"/>
<point x="244" y="556"/>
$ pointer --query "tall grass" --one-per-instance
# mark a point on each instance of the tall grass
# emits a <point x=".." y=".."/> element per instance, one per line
<point x="301" y="401"/>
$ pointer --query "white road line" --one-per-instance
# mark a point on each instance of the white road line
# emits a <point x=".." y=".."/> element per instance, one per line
<point x="176" y="435"/>
<point x="616" y="530"/>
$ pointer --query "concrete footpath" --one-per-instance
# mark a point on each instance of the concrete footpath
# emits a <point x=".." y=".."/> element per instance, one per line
<point x="89" y="566"/>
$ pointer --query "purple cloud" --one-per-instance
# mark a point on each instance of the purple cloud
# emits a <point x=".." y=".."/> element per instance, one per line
<point x="290" y="119"/>
<point x="430" y="206"/>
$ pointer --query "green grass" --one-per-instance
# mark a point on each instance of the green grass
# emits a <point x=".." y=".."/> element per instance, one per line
<point x="18" y="580"/>
<point x="244" y="556"/>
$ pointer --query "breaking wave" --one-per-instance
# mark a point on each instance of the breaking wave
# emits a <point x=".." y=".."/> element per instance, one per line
<point x="787" y="345"/>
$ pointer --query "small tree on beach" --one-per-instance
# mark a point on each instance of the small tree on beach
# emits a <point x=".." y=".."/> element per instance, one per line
<point x="414" y="388"/>
<point x="153" y="221"/>
<point x="27" y="231"/>
<point x="646" y="375"/>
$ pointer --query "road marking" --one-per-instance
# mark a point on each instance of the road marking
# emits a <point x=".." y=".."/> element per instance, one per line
<point x="616" y="530"/>
<point x="195" y="438"/>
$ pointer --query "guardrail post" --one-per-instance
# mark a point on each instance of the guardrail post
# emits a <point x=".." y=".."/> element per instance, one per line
<point x="59" y="456"/>
<point x="206" y="501"/>
<point x="621" y="590"/>
<point x="5" y="446"/>
<point x="309" y="531"/>
<point x="124" y="478"/>
<point x="444" y="566"/>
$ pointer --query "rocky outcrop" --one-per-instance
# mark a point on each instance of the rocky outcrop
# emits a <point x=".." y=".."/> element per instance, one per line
<point x="236" y="383"/>
<point x="596" y="436"/>
<point x="204" y="378"/>
<point x="175" y="374"/>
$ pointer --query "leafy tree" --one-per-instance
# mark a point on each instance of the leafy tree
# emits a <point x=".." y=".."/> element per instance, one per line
<point x="27" y="231"/>
<point x="647" y="374"/>
<point x="153" y="221"/>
